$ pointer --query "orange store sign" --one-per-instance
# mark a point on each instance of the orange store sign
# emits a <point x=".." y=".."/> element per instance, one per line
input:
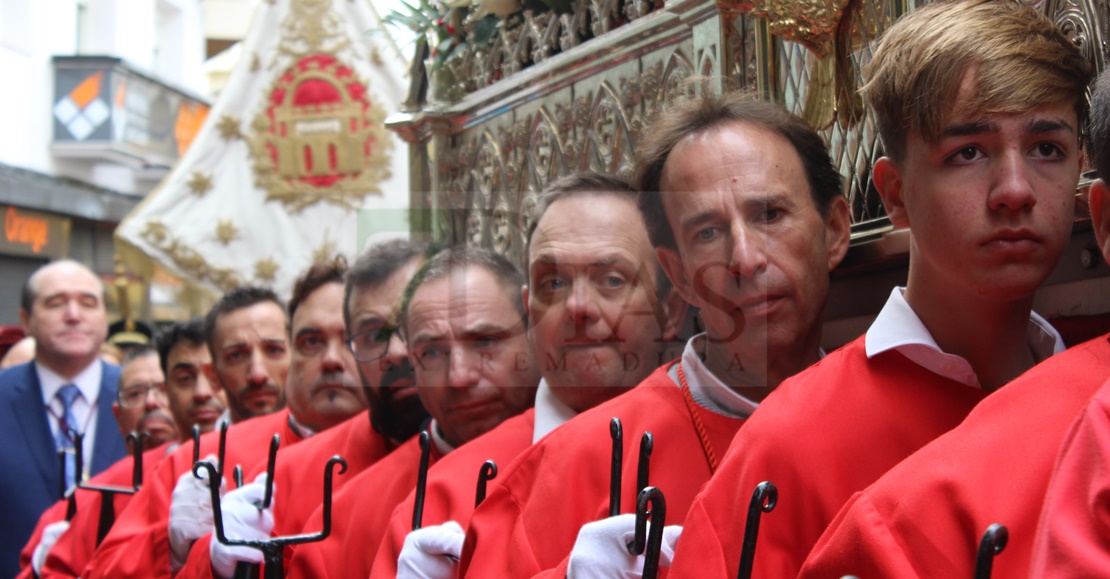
<point x="31" y="233"/>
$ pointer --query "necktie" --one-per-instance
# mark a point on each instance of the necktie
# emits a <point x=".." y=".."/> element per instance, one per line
<point x="67" y="428"/>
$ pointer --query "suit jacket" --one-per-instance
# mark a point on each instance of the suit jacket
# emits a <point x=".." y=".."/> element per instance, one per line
<point x="29" y="469"/>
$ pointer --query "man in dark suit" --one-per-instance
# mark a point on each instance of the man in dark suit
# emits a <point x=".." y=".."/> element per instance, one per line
<point x="66" y="389"/>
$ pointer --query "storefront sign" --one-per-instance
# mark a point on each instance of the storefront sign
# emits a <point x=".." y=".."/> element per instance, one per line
<point x="32" y="233"/>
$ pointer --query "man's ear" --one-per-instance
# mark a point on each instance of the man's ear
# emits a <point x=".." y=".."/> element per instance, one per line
<point x="1099" y="202"/>
<point x="24" y="318"/>
<point x="213" y="378"/>
<point x="838" y="231"/>
<point x="115" y="411"/>
<point x="674" y="314"/>
<point x="888" y="181"/>
<point x="524" y="296"/>
<point x="671" y="263"/>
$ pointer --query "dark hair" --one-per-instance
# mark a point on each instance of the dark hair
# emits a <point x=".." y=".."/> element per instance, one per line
<point x="706" y="112"/>
<point x="1099" y="140"/>
<point x="377" y="264"/>
<point x="190" y="332"/>
<point x="590" y="183"/>
<point x="237" y="299"/>
<point x="318" y="275"/>
<point x="136" y="352"/>
<point x="457" y="258"/>
<point x="576" y="185"/>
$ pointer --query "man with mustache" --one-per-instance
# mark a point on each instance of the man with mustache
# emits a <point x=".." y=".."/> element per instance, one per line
<point x="183" y="353"/>
<point x="374" y="283"/>
<point x="246" y="331"/>
<point x="601" y="316"/>
<point x="142" y="403"/>
<point x="983" y="152"/>
<point x="66" y="389"/>
<point x="463" y="324"/>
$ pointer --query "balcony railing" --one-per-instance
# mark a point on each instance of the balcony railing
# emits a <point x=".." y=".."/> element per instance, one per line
<point x="104" y="109"/>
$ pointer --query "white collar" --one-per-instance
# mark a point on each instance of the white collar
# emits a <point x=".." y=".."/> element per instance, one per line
<point x="442" y="445"/>
<point x="897" y="327"/>
<point x="87" y="381"/>
<point x="551" y="412"/>
<point x="705" y="388"/>
<point x="223" y="418"/>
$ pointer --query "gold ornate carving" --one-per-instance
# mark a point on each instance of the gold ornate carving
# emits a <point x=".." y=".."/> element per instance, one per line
<point x="812" y="23"/>
<point x="312" y="27"/>
<point x="229" y="128"/>
<point x="226" y="231"/>
<point x="200" y="183"/>
<point x="188" y="259"/>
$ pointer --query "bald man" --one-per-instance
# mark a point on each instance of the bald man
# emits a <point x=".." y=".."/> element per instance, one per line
<point x="43" y="403"/>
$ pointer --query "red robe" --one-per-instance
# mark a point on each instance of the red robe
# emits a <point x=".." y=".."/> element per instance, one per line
<point x="534" y="510"/>
<point x="821" y="436"/>
<point x="925" y="517"/>
<point x="449" y="494"/>
<point x="359" y="513"/>
<point x="55" y="513"/>
<point x="299" y="481"/>
<point x="138" y="544"/>
<point x="1073" y="538"/>
<point x="76" y="546"/>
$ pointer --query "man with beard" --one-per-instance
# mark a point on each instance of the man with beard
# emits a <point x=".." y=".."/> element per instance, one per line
<point x="374" y="284"/>
<point x="183" y="353"/>
<point x="463" y="323"/>
<point x="246" y="331"/>
<point x="323" y="393"/>
<point x="591" y="273"/>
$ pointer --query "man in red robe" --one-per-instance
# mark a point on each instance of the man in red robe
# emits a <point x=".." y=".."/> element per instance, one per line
<point x="374" y="287"/>
<point x="743" y="207"/>
<point x="464" y="327"/>
<point x="581" y="238"/>
<point x="983" y="165"/>
<point x="1072" y="540"/>
<point x="248" y="333"/>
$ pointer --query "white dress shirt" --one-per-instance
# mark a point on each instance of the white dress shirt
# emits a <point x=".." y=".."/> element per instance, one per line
<point x="551" y="412"/>
<point x="898" y="328"/>
<point x="84" y="406"/>
<point x="705" y="388"/>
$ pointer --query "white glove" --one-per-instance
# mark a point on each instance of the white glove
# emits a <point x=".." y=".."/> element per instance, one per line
<point x="601" y="550"/>
<point x="244" y="520"/>
<point x="190" y="514"/>
<point x="431" y="552"/>
<point x="50" y="535"/>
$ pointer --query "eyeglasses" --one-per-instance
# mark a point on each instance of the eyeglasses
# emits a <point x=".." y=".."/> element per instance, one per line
<point x="371" y="344"/>
<point x="136" y="394"/>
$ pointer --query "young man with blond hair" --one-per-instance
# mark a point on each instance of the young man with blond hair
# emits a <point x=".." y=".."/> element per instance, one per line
<point x="983" y="157"/>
